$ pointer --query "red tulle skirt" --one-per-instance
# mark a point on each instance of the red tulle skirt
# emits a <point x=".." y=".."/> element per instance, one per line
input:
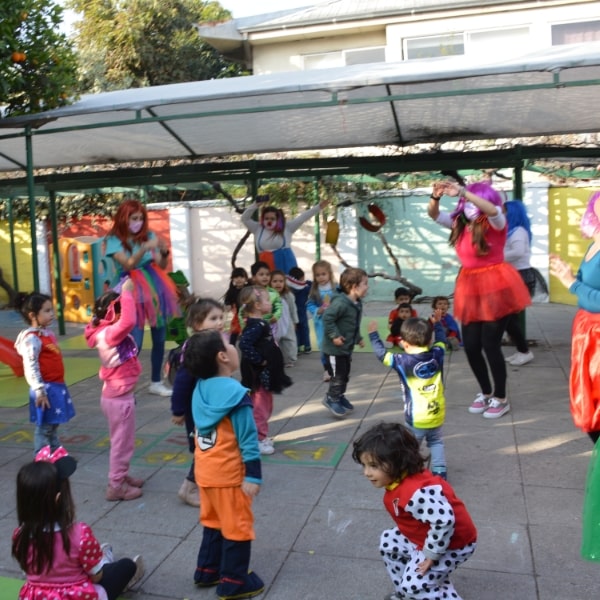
<point x="155" y="295"/>
<point x="489" y="293"/>
<point x="584" y="381"/>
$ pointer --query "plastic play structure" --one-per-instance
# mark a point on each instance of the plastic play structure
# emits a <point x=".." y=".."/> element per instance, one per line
<point x="85" y="272"/>
<point x="9" y="356"/>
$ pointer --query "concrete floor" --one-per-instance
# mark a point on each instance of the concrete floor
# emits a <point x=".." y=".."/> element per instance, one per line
<point x="317" y="519"/>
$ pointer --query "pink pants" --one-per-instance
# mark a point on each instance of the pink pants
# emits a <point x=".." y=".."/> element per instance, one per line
<point x="120" y="414"/>
<point x="262" y="402"/>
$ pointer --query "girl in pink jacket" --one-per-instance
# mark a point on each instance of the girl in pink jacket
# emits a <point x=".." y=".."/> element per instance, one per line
<point x="110" y="332"/>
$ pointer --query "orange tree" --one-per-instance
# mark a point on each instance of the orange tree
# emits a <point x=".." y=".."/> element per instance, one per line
<point x="38" y="70"/>
<point x="137" y="43"/>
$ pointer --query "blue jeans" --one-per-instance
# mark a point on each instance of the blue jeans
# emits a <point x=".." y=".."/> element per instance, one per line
<point x="45" y="435"/>
<point x="435" y="443"/>
<point x="157" y="354"/>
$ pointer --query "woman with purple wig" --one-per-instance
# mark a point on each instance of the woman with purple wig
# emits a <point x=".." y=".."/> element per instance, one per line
<point x="584" y="380"/>
<point x="488" y="290"/>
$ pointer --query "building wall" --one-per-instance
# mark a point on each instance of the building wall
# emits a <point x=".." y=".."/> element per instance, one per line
<point x="289" y="56"/>
<point x="203" y="239"/>
<point x="282" y="50"/>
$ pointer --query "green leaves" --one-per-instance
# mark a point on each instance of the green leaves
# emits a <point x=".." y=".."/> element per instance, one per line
<point x="138" y="43"/>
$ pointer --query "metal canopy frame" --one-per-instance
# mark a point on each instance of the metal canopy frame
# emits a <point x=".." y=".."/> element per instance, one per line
<point x="392" y="105"/>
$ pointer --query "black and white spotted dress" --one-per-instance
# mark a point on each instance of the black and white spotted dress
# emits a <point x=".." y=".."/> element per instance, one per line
<point x="431" y="522"/>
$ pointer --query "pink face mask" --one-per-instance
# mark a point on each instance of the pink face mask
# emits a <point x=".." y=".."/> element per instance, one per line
<point x="471" y="211"/>
<point x="136" y="226"/>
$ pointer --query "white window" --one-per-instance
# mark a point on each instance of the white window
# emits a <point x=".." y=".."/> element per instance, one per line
<point x="364" y="55"/>
<point x="575" y="33"/>
<point x="355" y="56"/>
<point x="323" y="60"/>
<point x="495" y="43"/>
<point x="433" y="46"/>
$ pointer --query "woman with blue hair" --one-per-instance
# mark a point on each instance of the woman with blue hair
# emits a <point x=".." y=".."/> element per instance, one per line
<point x="517" y="252"/>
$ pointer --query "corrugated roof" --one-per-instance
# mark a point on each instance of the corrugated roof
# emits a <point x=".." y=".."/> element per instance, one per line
<point x="434" y="100"/>
<point x="336" y="11"/>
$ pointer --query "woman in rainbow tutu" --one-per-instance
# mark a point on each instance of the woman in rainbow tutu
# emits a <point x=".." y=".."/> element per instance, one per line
<point x="139" y="254"/>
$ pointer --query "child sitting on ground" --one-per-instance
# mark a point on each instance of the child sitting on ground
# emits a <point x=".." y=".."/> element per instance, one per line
<point x="403" y="311"/>
<point x="402" y="296"/>
<point x="451" y="328"/>
<point x="61" y="558"/>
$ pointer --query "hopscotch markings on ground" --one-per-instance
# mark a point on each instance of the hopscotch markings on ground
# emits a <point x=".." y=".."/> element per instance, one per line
<point x="171" y="447"/>
<point x="314" y="454"/>
<point x="150" y="449"/>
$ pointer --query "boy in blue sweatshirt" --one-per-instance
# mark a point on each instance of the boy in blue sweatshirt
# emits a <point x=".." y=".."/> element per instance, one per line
<point x="420" y="369"/>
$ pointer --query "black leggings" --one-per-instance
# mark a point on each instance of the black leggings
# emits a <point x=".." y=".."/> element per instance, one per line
<point x="485" y="337"/>
<point x="515" y="331"/>
<point x="116" y="576"/>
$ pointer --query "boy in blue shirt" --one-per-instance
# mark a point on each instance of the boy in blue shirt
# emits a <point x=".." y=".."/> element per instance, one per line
<point x="420" y="369"/>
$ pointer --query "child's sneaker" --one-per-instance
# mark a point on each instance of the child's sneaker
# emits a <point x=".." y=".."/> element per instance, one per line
<point x="335" y="408"/>
<point x="266" y="446"/>
<point x="134" y="481"/>
<point x="123" y="492"/>
<point x="480" y="404"/>
<point x="107" y="554"/>
<point x="520" y="358"/>
<point x="346" y="404"/>
<point x="139" y="572"/>
<point x="158" y="388"/>
<point x="248" y="587"/>
<point x="496" y="409"/>
<point x="206" y="577"/>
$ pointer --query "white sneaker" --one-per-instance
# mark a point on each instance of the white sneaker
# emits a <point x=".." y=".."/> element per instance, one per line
<point x="521" y="358"/>
<point x="158" y="388"/>
<point x="266" y="446"/>
<point x="511" y="357"/>
<point x="139" y="572"/>
<point x="107" y="554"/>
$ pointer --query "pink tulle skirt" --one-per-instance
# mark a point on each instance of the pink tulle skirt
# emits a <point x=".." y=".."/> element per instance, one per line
<point x="155" y="295"/>
<point x="489" y="293"/>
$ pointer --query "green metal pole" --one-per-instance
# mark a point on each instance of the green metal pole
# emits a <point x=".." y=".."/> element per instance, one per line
<point x="13" y="249"/>
<point x="518" y="195"/>
<point x="60" y="299"/>
<point x="32" y="220"/>
<point x="317" y="223"/>
<point x="254" y="188"/>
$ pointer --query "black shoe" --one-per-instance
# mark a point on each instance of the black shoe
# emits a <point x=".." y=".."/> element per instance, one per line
<point x="248" y="587"/>
<point x="346" y="404"/>
<point x="206" y="577"/>
<point x="335" y="408"/>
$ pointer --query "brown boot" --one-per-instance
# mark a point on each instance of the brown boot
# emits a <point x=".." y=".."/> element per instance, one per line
<point x="123" y="492"/>
<point x="188" y="493"/>
<point x="134" y="481"/>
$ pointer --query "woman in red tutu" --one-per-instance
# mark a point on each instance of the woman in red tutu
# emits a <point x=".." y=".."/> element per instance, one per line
<point x="140" y="255"/>
<point x="584" y="381"/>
<point x="488" y="289"/>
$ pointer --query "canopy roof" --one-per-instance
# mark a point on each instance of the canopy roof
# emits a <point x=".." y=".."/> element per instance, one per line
<point x="384" y="104"/>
